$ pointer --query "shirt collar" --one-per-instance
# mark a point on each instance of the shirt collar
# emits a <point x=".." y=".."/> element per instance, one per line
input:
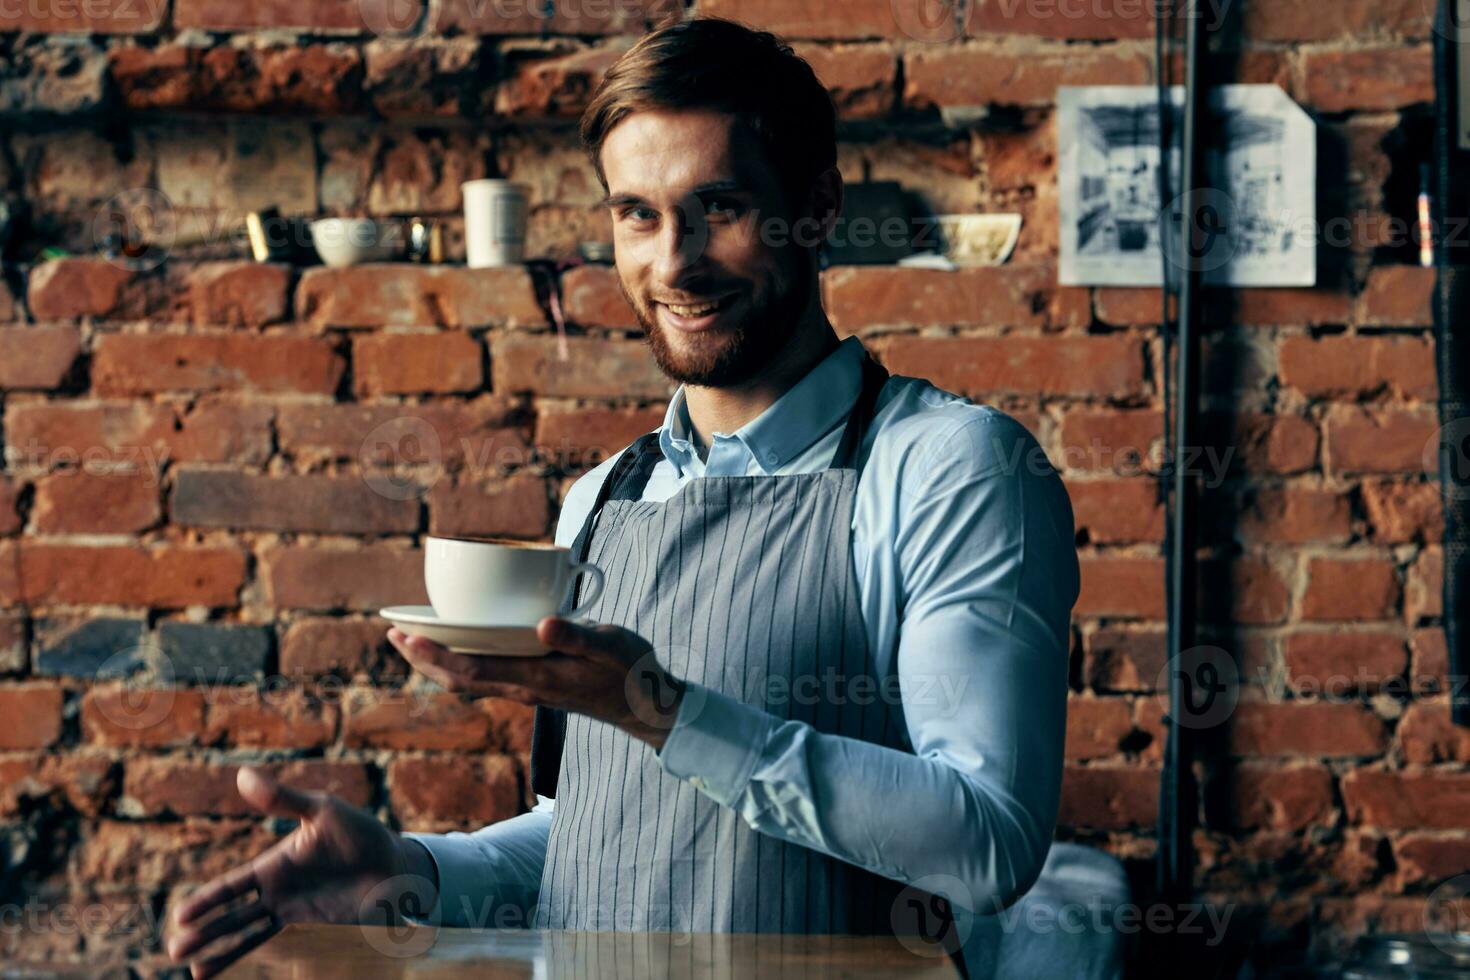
<point x="801" y="416"/>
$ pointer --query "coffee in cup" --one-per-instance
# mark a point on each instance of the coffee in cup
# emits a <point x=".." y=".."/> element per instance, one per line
<point x="492" y="581"/>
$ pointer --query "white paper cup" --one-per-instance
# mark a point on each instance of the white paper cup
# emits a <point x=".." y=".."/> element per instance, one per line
<point x="504" y="583"/>
<point x="495" y="216"/>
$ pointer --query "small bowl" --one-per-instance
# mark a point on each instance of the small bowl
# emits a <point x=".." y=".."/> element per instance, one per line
<point x="342" y="242"/>
<point x="979" y="239"/>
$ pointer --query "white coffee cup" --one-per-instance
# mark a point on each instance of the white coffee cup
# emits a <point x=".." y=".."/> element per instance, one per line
<point x="495" y="218"/>
<point x="491" y="581"/>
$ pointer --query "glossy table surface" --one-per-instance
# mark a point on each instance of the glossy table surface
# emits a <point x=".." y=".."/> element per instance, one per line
<point x="320" y="952"/>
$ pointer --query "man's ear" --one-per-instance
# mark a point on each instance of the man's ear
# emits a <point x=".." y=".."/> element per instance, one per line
<point x="826" y="199"/>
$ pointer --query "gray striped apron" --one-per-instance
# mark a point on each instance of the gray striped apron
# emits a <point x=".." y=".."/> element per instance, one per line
<point x="744" y="585"/>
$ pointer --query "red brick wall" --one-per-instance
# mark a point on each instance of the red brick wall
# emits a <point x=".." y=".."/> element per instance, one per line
<point x="205" y="463"/>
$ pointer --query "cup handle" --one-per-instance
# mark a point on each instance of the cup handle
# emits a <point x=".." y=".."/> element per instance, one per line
<point x="595" y="575"/>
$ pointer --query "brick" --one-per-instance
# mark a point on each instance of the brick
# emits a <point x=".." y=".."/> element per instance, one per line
<point x="424" y="76"/>
<point x="318" y="577"/>
<point x="89" y="647"/>
<point x="1122" y="442"/>
<point x="1119" y="659"/>
<point x="1282" y="308"/>
<point x="322" y="79"/>
<point x="215" y="653"/>
<point x="1336" y="663"/>
<point x="1411" y="800"/>
<point x="1259" y="443"/>
<point x="168" y="576"/>
<point x="415" y="171"/>
<point x="79" y="502"/>
<point x="33" y="716"/>
<point x="1280" y="799"/>
<point x="860" y="298"/>
<point x="1126" y="588"/>
<point x="273" y="717"/>
<point x="1367" y="79"/>
<point x="554" y="87"/>
<point x="37" y="357"/>
<point x="1117" y="511"/>
<point x="159" y="785"/>
<point x="862" y="79"/>
<point x="1097" y="727"/>
<point x="479" y="433"/>
<point x="1294" y="515"/>
<point x="414" y="719"/>
<point x="1309" y="728"/>
<point x="1357" y="589"/>
<point x="1316" y="20"/>
<point x="87" y="783"/>
<point x="54" y="80"/>
<point x="401" y="295"/>
<point x="330" y="645"/>
<point x="1397" y="296"/>
<point x="10" y="491"/>
<point x="1380" y="440"/>
<point x="145" y="435"/>
<point x="11" y="309"/>
<point x="946" y="76"/>
<point x="1359" y="367"/>
<point x="572" y="439"/>
<point x="1101" y="21"/>
<point x="71" y="288"/>
<point x="527" y="17"/>
<point x="1424" y="586"/>
<point x="594" y="368"/>
<point x="1431" y="668"/>
<point x="133" y="364"/>
<point x="152" y="855"/>
<point x="133" y="717"/>
<point x="591" y="297"/>
<point x="518" y="508"/>
<point x="1111" y="798"/>
<point x="1400" y="513"/>
<point x="981" y="366"/>
<point x="342" y="505"/>
<point x="1427" y="734"/>
<point x="323" y="15"/>
<point x="1243" y="590"/>
<point x="436" y="794"/>
<point x="416" y="363"/>
<point x="239" y="294"/>
<point x="1131" y="306"/>
<point x="1432" y="858"/>
<point x="98" y="17"/>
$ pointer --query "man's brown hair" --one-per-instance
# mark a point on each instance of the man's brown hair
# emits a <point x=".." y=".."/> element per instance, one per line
<point x="717" y="64"/>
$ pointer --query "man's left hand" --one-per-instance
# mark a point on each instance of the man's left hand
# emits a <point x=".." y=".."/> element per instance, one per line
<point x="605" y="672"/>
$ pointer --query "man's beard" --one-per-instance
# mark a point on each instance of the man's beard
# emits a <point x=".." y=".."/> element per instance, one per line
<point x="737" y="351"/>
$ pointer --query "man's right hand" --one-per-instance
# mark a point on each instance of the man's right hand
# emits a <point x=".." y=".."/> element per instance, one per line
<point x="326" y="870"/>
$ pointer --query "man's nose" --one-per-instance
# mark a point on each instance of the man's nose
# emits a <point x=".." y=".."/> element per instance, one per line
<point x="682" y="244"/>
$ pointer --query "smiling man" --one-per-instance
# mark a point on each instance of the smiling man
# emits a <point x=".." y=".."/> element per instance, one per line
<point x="830" y="659"/>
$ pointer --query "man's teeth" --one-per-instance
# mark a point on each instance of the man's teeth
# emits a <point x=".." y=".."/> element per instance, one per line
<point x="694" y="310"/>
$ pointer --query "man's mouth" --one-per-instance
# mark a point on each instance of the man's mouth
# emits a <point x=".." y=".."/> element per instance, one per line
<point x="692" y="317"/>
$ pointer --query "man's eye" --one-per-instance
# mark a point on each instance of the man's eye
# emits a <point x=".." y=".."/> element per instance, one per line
<point x="640" y="214"/>
<point x="723" y="206"/>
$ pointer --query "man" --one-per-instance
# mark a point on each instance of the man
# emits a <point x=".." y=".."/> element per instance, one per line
<point x="830" y="661"/>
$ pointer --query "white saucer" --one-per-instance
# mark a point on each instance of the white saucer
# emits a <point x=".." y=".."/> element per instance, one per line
<point x="484" y="639"/>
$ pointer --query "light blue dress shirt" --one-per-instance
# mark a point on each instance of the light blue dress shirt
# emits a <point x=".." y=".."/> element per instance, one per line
<point x="964" y="552"/>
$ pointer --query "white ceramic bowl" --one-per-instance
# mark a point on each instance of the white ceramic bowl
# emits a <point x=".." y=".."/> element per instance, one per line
<point x="349" y="241"/>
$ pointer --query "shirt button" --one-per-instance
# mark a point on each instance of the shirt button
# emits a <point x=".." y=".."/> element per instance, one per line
<point x="772" y="459"/>
<point x="697" y="783"/>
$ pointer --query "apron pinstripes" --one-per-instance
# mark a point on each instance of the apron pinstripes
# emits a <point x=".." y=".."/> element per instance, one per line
<point x="744" y="585"/>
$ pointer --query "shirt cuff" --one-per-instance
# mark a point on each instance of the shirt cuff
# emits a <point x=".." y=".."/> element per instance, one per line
<point x="460" y="865"/>
<point x="715" y="743"/>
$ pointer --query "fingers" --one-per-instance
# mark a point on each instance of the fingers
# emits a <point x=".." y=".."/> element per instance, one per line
<point x="226" y="887"/>
<point x="188" y="941"/>
<point x="604" y="642"/>
<point x="277" y="799"/>
<point x="216" y="962"/>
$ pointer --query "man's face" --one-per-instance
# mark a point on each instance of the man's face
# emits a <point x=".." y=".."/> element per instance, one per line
<point x="690" y="194"/>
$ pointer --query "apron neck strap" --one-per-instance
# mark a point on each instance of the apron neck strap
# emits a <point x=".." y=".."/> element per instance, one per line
<point x="849" y="450"/>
